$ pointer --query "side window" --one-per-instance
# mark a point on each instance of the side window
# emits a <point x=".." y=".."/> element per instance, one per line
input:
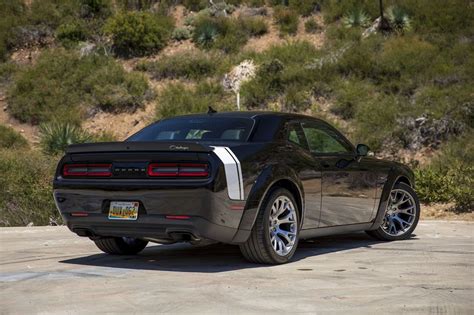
<point x="323" y="140"/>
<point x="295" y="135"/>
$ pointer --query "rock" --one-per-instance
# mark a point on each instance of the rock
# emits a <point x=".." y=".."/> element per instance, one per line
<point x="22" y="131"/>
<point x="425" y="131"/>
<point x="254" y="12"/>
<point x="86" y="48"/>
<point x="30" y="224"/>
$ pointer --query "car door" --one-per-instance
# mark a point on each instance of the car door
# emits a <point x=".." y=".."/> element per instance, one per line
<point x="309" y="173"/>
<point x="348" y="185"/>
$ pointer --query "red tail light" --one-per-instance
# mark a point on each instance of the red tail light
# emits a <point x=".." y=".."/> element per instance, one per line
<point x="89" y="170"/>
<point x="178" y="170"/>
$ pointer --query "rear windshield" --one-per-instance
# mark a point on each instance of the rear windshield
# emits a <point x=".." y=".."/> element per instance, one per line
<point x="192" y="129"/>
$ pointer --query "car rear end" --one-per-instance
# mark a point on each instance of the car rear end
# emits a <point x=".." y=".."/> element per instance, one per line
<point x="158" y="190"/>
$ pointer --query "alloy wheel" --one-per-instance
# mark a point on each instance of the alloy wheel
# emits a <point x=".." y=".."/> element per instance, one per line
<point x="283" y="225"/>
<point x="400" y="213"/>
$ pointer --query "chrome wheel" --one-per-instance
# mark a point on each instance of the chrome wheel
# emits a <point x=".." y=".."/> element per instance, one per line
<point x="283" y="225"/>
<point x="400" y="213"/>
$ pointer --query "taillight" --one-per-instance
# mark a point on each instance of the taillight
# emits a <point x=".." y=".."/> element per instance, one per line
<point x="89" y="170"/>
<point x="178" y="170"/>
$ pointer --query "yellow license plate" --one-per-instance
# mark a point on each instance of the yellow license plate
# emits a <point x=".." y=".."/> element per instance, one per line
<point x="123" y="210"/>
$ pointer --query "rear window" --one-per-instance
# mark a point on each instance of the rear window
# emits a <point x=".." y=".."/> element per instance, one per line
<point x="197" y="129"/>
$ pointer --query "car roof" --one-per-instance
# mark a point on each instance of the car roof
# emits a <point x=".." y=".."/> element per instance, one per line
<point x="249" y="114"/>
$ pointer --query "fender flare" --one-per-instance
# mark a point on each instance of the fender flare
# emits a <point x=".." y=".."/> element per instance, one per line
<point x="265" y="181"/>
<point x="393" y="177"/>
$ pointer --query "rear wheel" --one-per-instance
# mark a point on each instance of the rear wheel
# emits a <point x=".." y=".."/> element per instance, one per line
<point x="401" y="215"/>
<point x="120" y="245"/>
<point x="274" y="237"/>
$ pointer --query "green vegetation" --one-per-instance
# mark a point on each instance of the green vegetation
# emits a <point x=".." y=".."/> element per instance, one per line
<point x="224" y="33"/>
<point x="139" y="33"/>
<point x="282" y="75"/>
<point x="178" y="99"/>
<point x="187" y="65"/>
<point x="311" y="26"/>
<point x="355" y="18"/>
<point x="450" y="176"/>
<point x="70" y="85"/>
<point x="287" y="20"/>
<point x="10" y="139"/>
<point x="377" y="86"/>
<point x="25" y="188"/>
<point x="181" y="33"/>
<point x="70" y="33"/>
<point x="253" y="26"/>
<point x="55" y="137"/>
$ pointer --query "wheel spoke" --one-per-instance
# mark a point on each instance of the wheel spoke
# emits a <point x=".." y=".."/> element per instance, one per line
<point x="400" y="213"/>
<point x="282" y="231"/>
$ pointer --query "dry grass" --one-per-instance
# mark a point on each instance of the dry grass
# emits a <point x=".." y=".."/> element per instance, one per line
<point x="442" y="212"/>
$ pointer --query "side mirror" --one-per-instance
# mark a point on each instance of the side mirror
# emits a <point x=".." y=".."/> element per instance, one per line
<point x="362" y="150"/>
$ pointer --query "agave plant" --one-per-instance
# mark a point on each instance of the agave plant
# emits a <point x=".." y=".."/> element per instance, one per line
<point x="399" y="19"/>
<point x="355" y="18"/>
<point x="55" y="137"/>
<point x="207" y="35"/>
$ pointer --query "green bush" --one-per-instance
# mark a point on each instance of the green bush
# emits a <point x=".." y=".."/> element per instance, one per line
<point x="311" y="26"/>
<point x="10" y="139"/>
<point x="178" y="99"/>
<point x="287" y="20"/>
<point x="25" y="188"/>
<point x="195" y="5"/>
<point x="355" y="18"/>
<point x="71" y="85"/>
<point x="13" y="14"/>
<point x="450" y="176"/>
<point x="139" y="33"/>
<point x="334" y="10"/>
<point x="53" y="13"/>
<point x="181" y="33"/>
<point x="56" y="137"/>
<point x="375" y="120"/>
<point x="304" y="7"/>
<point x="254" y="26"/>
<point x="350" y="96"/>
<point x="282" y="70"/>
<point x="71" y="33"/>
<point x="187" y="65"/>
<point x="221" y="33"/>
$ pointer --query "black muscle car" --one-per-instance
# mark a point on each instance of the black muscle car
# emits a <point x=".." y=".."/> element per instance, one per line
<point x="259" y="180"/>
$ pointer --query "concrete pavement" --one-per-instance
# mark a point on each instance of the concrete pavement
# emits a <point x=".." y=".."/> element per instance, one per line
<point x="48" y="270"/>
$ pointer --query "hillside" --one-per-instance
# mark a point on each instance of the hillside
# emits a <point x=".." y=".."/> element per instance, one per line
<point x="93" y="70"/>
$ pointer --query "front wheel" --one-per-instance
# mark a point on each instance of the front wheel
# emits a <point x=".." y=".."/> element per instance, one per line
<point x="274" y="237"/>
<point x="120" y="245"/>
<point x="401" y="215"/>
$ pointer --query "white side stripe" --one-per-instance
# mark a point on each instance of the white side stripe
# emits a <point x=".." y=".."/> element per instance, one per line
<point x="233" y="172"/>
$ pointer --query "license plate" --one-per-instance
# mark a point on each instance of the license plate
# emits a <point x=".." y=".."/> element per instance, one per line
<point x="123" y="210"/>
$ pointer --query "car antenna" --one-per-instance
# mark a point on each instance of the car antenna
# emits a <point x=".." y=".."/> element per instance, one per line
<point x="211" y="110"/>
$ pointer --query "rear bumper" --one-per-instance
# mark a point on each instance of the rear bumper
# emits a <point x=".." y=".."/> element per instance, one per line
<point x="212" y="215"/>
<point x="153" y="227"/>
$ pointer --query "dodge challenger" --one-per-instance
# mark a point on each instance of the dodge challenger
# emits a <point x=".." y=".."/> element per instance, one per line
<point x="260" y="180"/>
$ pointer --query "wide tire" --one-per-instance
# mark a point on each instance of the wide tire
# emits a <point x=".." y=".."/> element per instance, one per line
<point x="120" y="245"/>
<point x="259" y="248"/>
<point x="382" y="234"/>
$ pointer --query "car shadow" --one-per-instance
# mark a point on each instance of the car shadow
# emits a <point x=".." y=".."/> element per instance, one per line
<point x="215" y="258"/>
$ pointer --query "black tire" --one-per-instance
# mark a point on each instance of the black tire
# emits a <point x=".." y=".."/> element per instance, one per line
<point x="258" y="248"/>
<point x="120" y="245"/>
<point x="382" y="235"/>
